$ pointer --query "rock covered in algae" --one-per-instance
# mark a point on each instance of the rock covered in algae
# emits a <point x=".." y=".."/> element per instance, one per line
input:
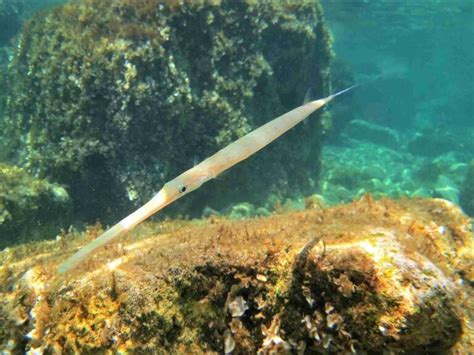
<point x="29" y="208"/>
<point x="370" y="276"/>
<point x="114" y="98"/>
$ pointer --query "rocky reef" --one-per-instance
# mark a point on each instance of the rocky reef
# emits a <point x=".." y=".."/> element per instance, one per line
<point x="114" y="98"/>
<point x="29" y="208"/>
<point x="369" y="276"/>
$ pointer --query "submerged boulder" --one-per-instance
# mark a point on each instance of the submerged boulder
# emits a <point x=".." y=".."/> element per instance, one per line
<point x="372" y="133"/>
<point x="433" y="142"/>
<point x="370" y="276"/>
<point x="114" y="98"/>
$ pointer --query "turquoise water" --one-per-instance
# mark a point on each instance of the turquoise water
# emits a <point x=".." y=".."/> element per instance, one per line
<point x="407" y="130"/>
<point x="415" y="60"/>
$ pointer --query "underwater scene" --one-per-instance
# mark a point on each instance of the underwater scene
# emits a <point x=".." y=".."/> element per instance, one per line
<point x="236" y="177"/>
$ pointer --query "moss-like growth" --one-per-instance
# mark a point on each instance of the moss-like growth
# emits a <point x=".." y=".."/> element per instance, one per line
<point x="117" y="97"/>
<point x="29" y="208"/>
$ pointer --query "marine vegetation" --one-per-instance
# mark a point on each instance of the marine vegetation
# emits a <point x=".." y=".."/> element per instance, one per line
<point x="369" y="276"/>
<point x="208" y="169"/>
<point x="114" y="98"/>
<point x="29" y="208"/>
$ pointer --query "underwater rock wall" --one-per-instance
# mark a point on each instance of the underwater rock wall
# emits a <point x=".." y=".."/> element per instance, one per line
<point x="370" y="276"/>
<point x="114" y="98"/>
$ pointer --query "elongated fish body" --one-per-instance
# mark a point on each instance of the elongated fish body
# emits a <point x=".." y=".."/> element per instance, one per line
<point x="208" y="169"/>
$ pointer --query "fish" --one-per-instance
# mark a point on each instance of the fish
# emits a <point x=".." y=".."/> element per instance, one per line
<point x="201" y="173"/>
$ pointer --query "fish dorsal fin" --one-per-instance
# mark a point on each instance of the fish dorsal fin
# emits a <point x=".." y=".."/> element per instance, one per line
<point x="309" y="96"/>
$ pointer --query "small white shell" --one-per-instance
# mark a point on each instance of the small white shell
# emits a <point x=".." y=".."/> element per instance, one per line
<point x="237" y="307"/>
<point x="229" y="342"/>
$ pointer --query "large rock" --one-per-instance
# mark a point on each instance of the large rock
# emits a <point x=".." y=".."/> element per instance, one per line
<point x="371" y="276"/>
<point x="114" y="98"/>
<point x="433" y="142"/>
<point x="372" y="133"/>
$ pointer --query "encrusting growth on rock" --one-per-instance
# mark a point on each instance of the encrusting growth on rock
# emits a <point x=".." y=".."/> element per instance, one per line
<point x="366" y="276"/>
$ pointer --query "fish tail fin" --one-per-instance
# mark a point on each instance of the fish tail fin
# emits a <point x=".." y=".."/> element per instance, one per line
<point x="343" y="91"/>
<point x="308" y="97"/>
<point x="323" y="101"/>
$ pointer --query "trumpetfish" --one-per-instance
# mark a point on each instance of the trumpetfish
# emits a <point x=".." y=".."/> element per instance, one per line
<point x="208" y="169"/>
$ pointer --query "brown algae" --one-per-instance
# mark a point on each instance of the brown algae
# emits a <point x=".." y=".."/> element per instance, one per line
<point x="366" y="276"/>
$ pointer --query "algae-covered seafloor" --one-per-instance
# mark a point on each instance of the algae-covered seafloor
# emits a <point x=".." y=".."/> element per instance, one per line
<point x="366" y="276"/>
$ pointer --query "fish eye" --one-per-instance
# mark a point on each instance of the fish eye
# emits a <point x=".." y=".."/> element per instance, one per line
<point x="182" y="188"/>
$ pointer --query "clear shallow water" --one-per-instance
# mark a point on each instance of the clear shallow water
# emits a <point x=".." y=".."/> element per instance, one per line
<point x="415" y="62"/>
<point x="416" y="57"/>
